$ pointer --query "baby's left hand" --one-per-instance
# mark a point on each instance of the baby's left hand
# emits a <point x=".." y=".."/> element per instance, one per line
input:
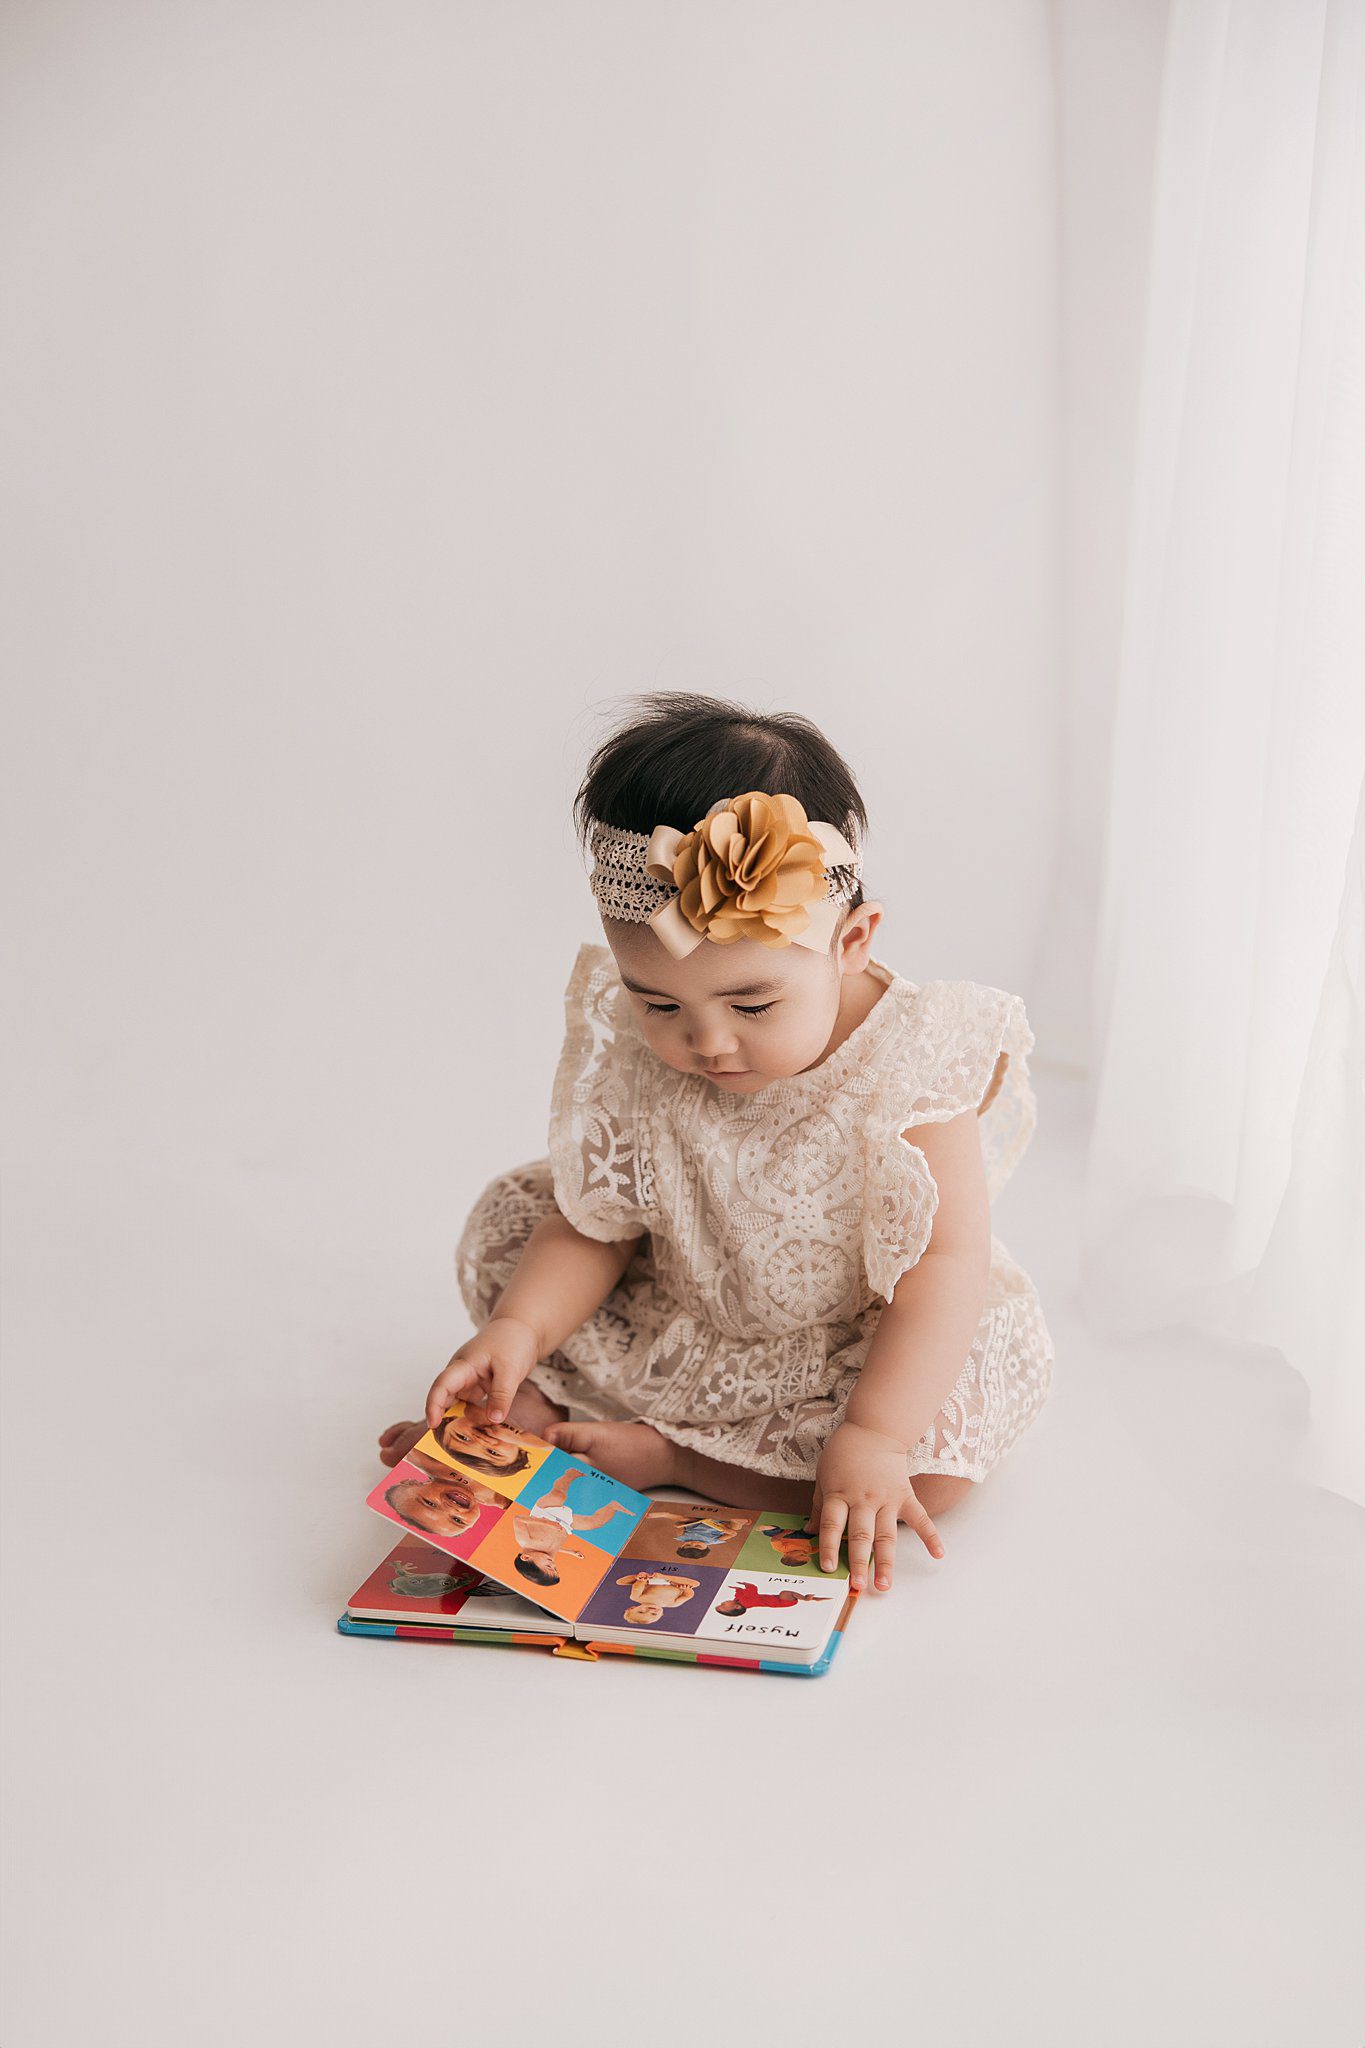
<point x="861" y="1481"/>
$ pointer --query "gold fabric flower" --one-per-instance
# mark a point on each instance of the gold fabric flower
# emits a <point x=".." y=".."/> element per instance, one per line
<point x="748" y="869"/>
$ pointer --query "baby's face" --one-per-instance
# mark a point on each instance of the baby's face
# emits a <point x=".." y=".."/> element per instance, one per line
<point x="744" y="1014"/>
<point x="644" y="1612"/>
<point x="487" y="1441"/>
<point x="443" y="1507"/>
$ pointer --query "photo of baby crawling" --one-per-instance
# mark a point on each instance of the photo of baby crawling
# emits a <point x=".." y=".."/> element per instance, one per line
<point x="780" y="1543"/>
<point x="693" y="1531"/>
<point x="452" y="1512"/>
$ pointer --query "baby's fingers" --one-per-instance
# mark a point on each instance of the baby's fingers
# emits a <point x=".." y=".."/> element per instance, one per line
<point x="833" y="1515"/>
<point x="503" y="1381"/>
<point x="813" y="1518"/>
<point x="884" y="1548"/>
<point x="915" y="1517"/>
<point x="459" y="1374"/>
<point x="861" y="1528"/>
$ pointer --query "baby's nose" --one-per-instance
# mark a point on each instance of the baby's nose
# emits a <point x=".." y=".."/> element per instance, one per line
<point x="714" y="1044"/>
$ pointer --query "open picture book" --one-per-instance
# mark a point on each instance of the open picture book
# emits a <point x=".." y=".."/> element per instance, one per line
<point x="507" y="1539"/>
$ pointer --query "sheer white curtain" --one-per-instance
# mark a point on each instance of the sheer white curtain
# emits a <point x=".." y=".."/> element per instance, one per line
<point x="1227" y="1174"/>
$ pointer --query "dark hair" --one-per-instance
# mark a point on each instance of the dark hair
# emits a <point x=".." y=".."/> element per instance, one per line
<point x="730" y="1607"/>
<point x="671" y="758"/>
<point x="537" y="1572"/>
<point x="692" y="1550"/>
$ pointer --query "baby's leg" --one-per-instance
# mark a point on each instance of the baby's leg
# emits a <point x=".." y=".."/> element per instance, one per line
<point x="738" y="1488"/>
<point x="558" y="1496"/>
<point x="600" y="1515"/>
<point x="936" y="1491"/>
<point x="641" y="1456"/>
<point x="533" y="1410"/>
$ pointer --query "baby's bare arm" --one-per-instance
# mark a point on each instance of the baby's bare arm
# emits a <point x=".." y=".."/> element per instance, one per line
<point x="560" y="1278"/>
<point x="918" y="1348"/>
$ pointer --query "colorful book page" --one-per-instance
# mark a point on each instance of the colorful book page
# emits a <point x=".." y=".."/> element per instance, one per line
<point x="688" y="1532"/>
<point x="658" y="1590"/>
<point x="418" y="1584"/>
<point x="779" y="1543"/>
<point x="554" y="1531"/>
<point x="776" y="1614"/>
<point x="540" y="1522"/>
<point x="656" y="1598"/>
<point x="438" y="1504"/>
<point x="492" y="1453"/>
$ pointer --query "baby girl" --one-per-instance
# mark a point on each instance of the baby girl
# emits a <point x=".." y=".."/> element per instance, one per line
<point x="757" y="1261"/>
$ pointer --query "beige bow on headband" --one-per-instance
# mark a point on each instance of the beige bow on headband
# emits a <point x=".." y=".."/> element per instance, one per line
<point x="752" y="868"/>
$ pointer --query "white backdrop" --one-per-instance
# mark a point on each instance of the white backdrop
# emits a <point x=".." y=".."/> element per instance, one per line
<point x="390" y="397"/>
<point x="385" y="391"/>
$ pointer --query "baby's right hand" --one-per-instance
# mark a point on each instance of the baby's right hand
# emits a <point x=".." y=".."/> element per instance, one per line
<point x="487" y="1370"/>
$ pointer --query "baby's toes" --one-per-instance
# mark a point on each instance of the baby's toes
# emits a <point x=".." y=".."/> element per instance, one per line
<point x="397" y="1440"/>
<point x="591" y="1441"/>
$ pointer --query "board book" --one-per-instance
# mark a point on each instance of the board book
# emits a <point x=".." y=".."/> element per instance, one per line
<point x="508" y="1539"/>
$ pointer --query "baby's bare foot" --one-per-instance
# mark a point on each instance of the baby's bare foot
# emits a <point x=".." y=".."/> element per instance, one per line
<point x="533" y="1410"/>
<point x="632" y="1452"/>
<point x="398" y="1439"/>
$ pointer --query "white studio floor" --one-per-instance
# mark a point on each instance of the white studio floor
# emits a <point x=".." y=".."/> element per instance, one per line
<point x="1095" y="1780"/>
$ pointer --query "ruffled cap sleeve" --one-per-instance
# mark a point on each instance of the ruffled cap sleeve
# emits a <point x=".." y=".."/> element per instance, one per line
<point x="603" y="1183"/>
<point x="964" y="1047"/>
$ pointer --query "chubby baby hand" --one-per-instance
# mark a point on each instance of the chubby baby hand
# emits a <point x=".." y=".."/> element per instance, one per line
<point x="487" y="1370"/>
<point x="861" y="1486"/>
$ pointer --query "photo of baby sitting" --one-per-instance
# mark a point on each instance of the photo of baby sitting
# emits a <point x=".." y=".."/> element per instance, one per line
<point x="652" y="1592"/>
<point x="542" y="1530"/>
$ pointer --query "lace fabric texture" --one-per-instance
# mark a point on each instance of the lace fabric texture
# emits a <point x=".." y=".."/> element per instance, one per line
<point x="772" y="1227"/>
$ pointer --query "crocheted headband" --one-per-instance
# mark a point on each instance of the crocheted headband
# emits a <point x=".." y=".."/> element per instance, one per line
<point x="755" y="867"/>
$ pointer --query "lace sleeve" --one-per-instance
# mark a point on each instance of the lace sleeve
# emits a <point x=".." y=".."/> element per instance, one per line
<point x="599" y="1158"/>
<point x="957" y="1032"/>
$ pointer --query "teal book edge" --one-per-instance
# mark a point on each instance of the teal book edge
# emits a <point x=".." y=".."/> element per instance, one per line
<point x="596" y="1653"/>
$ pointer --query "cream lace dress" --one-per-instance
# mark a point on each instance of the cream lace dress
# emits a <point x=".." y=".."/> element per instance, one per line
<point x="772" y="1227"/>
